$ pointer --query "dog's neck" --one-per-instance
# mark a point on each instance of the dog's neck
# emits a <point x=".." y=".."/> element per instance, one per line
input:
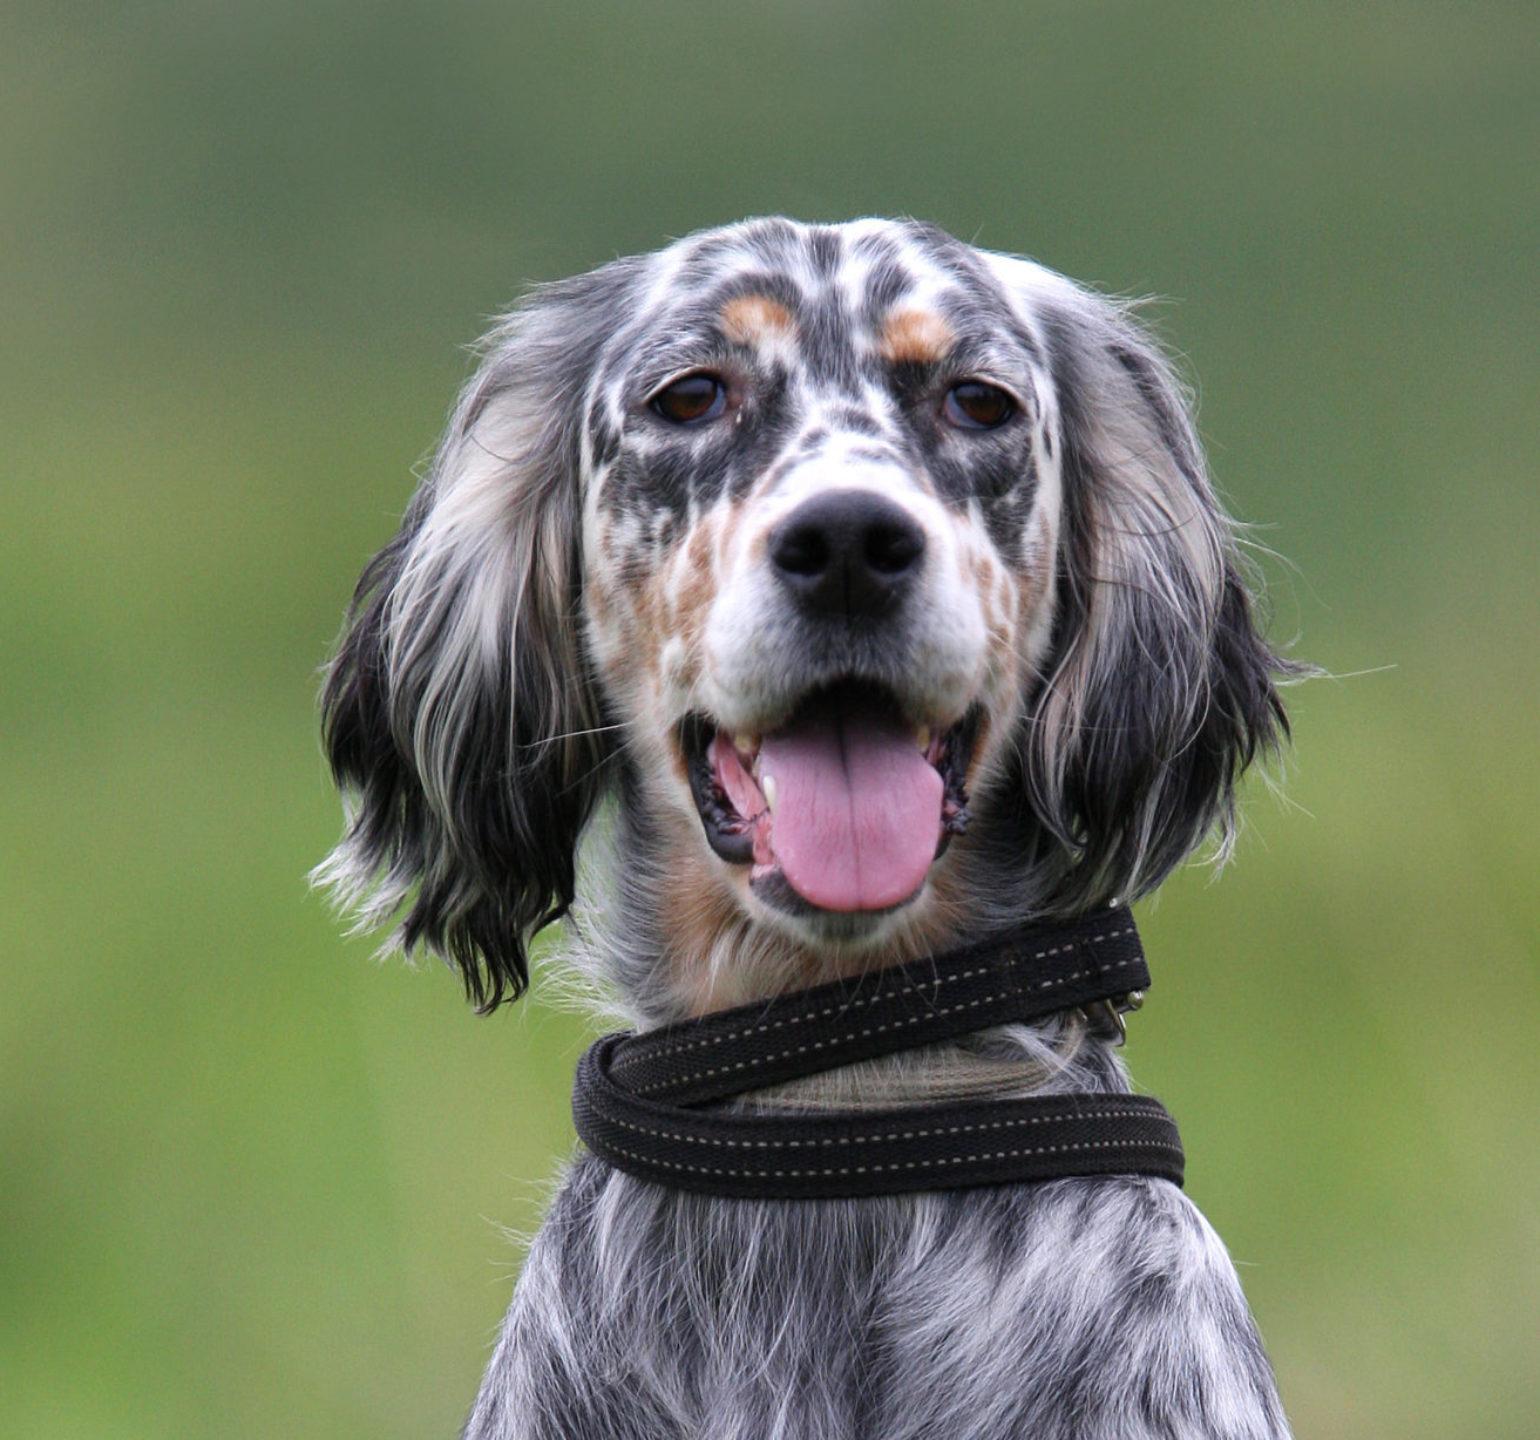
<point x="1051" y="1057"/>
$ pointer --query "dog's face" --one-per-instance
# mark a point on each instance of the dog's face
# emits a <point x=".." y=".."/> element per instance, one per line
<point x="820" y="510"/>
<point x="856" y="554"/>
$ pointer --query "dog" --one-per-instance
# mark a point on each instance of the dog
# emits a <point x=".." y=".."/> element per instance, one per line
<point x="852" y="592"/>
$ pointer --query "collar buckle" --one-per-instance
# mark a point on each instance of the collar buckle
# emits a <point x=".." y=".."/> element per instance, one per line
<point x="1105" y="1017"/>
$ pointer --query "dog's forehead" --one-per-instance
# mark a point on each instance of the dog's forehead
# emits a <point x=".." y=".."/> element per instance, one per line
<point x="826" y="296"/>
<point x="860" y="259"/>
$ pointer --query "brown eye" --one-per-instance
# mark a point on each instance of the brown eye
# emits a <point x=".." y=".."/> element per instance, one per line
<point x="692" y="400"/>
<point x="973" y="405"/>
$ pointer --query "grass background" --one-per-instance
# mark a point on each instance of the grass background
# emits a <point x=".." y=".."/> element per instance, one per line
<point x="251" y="1182"/>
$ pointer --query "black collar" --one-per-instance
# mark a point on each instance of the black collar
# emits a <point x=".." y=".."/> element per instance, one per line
<point x="634" y="1099"/>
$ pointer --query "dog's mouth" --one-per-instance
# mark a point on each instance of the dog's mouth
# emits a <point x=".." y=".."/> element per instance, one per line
<point x="846" y="805"/>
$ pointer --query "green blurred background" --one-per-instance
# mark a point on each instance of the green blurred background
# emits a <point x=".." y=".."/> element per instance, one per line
<point x="254" y="1184"/>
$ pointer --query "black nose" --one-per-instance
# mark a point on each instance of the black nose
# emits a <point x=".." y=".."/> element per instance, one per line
<point x="847" y="552"/>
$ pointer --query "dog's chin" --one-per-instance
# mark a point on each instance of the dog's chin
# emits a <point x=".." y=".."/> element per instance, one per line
<point x="831" y="821"/>
<point x="772" y="901"/>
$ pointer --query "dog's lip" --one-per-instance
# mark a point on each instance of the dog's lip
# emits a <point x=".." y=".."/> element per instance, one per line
<point x="741" y="839"/>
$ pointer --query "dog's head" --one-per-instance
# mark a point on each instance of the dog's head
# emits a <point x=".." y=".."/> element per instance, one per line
<point x="881" y="574"/>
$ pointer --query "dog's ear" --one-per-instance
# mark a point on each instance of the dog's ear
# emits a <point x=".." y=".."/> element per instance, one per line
<point x="459" y="714"/>
<point x="1159" y="689"/>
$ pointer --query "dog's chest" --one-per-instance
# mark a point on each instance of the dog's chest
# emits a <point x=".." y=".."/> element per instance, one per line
<point x="1085" y="1307"/>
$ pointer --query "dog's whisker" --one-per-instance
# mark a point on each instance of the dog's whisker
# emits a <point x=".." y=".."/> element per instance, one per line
<point x="546" y="740"/>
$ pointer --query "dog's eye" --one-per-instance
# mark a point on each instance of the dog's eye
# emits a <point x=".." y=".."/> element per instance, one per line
<point x="692" y="400"/>
<point x="973" y="405"/>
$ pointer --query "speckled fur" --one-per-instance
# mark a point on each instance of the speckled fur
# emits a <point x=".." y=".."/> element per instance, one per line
<point x="575" y="577"/>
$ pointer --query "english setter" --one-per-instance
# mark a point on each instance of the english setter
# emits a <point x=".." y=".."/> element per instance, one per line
<point x="867" y="592"/>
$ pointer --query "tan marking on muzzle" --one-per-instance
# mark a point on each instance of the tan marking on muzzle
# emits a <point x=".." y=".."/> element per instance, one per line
<point x="995" y="594"/>
<point x="749" y="319"/>
<point x="696" y="589"/>
<point x="915" y="337"/>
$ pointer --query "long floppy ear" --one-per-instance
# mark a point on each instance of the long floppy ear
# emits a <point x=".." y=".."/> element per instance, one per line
<point x="1159" y="689"/>
<point x="459" y="714"/>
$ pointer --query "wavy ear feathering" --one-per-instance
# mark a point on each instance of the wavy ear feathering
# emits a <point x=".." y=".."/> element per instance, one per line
<point x="459" y="715"/>
<point x="1159" y="689"/>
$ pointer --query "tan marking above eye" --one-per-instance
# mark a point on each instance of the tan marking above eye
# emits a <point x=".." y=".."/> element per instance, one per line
<point x="915" y="337"/>
<point x="749" y="319"/>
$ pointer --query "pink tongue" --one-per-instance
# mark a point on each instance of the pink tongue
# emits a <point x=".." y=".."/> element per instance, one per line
<point x="857" y="807"/>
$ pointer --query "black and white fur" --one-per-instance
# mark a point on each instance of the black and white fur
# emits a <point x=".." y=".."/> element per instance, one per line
<point x="577" y="577"/>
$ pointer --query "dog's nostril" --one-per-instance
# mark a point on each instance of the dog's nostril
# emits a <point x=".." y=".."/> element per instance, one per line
<point x="847" y="552"/>
<point x="892" y="549"/>
<point x="801" y="550"/>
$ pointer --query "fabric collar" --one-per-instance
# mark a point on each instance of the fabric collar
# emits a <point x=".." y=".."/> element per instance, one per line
<point x="636" y="1098"/>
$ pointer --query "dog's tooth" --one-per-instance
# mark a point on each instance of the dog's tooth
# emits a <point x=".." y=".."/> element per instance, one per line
<point x="922" y="736"/>
<point x="745" y="743"/>
<point x="767" y="787"/>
